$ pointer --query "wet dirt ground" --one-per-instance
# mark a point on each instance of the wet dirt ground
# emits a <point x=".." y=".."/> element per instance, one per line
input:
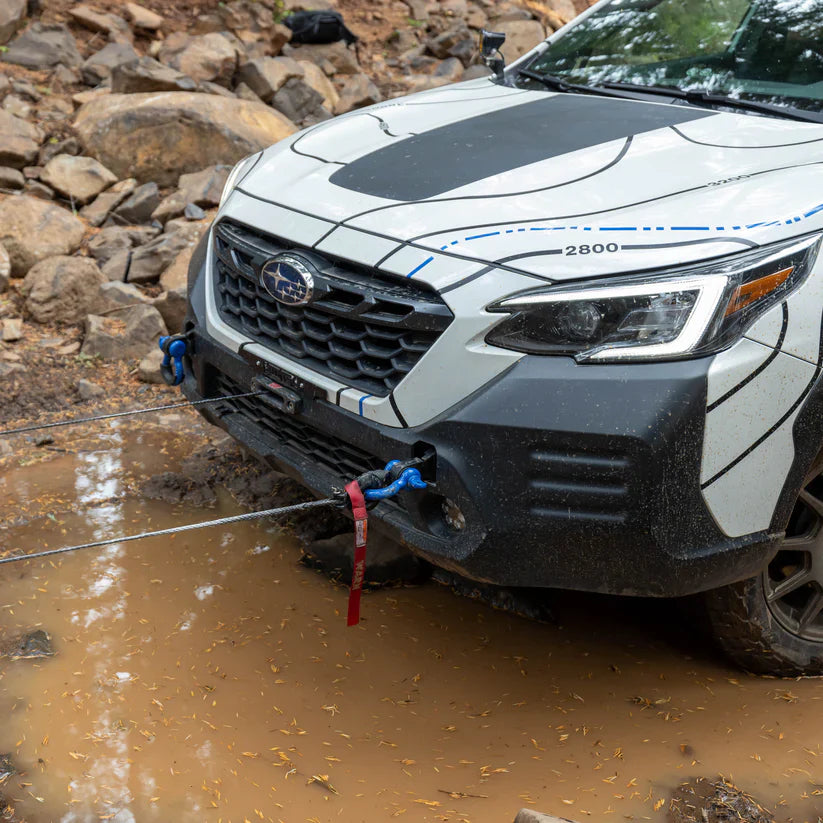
<point x="210" y="677"/>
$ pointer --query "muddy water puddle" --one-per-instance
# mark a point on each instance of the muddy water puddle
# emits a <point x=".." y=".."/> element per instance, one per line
<point x="210" y="677"/>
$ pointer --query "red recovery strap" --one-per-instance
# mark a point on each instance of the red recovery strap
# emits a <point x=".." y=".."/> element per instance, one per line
<point x="361" y="529"/>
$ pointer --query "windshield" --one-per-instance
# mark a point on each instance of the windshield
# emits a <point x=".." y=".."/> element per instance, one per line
<point x="767" y="50"/>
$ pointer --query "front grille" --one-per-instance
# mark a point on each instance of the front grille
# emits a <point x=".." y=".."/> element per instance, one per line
<point x="364" y="329"/>
<point x="338" y="458"/>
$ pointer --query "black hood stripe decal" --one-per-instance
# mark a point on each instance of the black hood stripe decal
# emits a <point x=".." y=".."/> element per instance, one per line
<point x="468" y="151"/>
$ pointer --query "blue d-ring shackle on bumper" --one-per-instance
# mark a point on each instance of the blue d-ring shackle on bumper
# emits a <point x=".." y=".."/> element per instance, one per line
<point x="174" y="348"/>
<point x="410" y="478"/>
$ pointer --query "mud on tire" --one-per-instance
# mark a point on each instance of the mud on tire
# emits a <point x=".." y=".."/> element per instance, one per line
<point x="773" y="623"/>
<point x="747" y="631"/>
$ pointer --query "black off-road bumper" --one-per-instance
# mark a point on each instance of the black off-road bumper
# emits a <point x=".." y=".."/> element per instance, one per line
<point x="568" y="476"/>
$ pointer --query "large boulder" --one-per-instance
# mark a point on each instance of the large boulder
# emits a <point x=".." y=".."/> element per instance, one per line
<point x="128" y="334"/>
<point x="32" y="230"/>
<point x="78" y="178"/>
<point x="158" y="136"/>
<point x="43" y="46"/>
<point x="19" y="141"/>
<point x="62" y="289"/>
<point x="12" y="18"/>
<point x="212" y="56"/>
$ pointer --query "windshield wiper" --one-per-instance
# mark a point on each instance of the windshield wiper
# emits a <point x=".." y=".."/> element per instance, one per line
<point x="712" y="99"/>
<point x="555" y="83"/>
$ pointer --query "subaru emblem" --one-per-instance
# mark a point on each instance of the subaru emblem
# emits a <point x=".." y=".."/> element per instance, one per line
<point x="288" y="279"/>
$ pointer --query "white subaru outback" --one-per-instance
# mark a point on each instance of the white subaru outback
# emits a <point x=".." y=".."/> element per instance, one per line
<point x="590" y="285"/>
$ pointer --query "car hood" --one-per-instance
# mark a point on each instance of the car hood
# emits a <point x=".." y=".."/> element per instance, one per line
<point x="447" y="183"/>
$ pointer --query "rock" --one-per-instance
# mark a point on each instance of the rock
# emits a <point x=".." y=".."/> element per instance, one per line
<point x="80" y="179"/>
<point x="99" y="209"/>
<point x="280" y="35"/>
<point x="531" y="816"/>
<point x="62" y="289"/>
<point x="150" y="261"/>
<point x="5" y="268"/>
<point x="148" y="75"/>
<point x="206" y="87"/>
<point x="29" y="646"/>
<point x="245" y="93"/>
<point x="19" y="141"/>
<point x="137" y="208"/>
<point x="192" y="212"/>
<point x="83" y="97"/>
<point x="12" y="18"/>
<point x="521" y="36"/>
<point x="212" y="56"/>
<point x="177" y="274"/>
<point x="12" y="329"/>
<point x="267" y="75"/>
<point x="115" y="296"/>
<point x="17" y="106"/>
<point x="88" y="390"/>
<point x="172" y="206"/>
<point x="297" y="100"/>
<point x="158" y="136"/>
<point x="148" y="371"/>
<point x="315" y="77"/>
<point x="203" y="188"/>
<point x="64" y="76"/>
<point x="389" y="562"/>
<point x="102" y="63"/>
<point x="476" y="71"/>
<point x="564" y="9"/>
<point x="128" y="335"/>
<point x="11" y="178"/>
<point x="33" y="229"/>
<point x="419" y="9"/>
<point x="114" y="239"/>
<point x="110" y="24"/>
<point x="450" y="70"/>
<point x="116" y="268"/>
<point x="34" y="188"/>
<point x="143" y="18"/>
<point x="445" y="44"/>
<point x="357" y="92"/>
<point x="172" y="305"/>
<point x="52" y="149"/>
<point x="341" y="57"/>
<point x="43" y="46"/>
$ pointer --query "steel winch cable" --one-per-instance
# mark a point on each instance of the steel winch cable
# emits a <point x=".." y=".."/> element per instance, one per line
<point x="222" y="521"/>
<point x="113" y="415"/>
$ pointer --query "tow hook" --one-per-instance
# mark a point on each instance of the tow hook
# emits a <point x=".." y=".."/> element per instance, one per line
<point x="174" y="348"/>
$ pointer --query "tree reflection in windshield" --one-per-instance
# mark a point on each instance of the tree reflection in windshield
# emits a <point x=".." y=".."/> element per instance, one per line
<point x="765" y="50"/>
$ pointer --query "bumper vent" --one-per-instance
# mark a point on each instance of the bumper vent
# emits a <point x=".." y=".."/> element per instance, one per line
<point x="572" y="484"/>
<point x="364" y="330"/>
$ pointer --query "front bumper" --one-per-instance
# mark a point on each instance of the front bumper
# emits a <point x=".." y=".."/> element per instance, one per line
<point x="568" y="476"/>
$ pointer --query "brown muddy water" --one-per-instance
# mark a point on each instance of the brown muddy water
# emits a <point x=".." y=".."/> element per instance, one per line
<point x="212" y="678"/>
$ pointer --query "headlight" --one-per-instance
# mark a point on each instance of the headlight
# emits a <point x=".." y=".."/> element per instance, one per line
<point x="682" y="313"/>
<point x="236" y="175"/>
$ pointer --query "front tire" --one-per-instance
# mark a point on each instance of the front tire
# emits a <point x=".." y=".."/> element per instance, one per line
<point x="773" y="623"/>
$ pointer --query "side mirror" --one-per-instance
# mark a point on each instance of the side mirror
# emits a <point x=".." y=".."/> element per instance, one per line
<point x="490" y="45"/>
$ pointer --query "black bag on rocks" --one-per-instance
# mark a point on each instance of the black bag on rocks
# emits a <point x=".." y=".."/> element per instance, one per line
<point x="319" y="27"/>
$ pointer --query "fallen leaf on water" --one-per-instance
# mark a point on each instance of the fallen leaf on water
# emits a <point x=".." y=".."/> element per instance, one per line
<point x="322" y="780"/>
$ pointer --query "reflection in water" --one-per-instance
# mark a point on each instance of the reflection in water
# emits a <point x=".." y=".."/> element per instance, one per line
<point x="175" y="697"/>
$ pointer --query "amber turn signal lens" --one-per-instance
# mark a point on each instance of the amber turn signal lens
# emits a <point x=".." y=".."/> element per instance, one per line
<point x="749" y="293"/>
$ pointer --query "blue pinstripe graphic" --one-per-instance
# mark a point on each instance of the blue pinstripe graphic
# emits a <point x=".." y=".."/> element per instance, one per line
<point x="364" y="397"/>
<point x="761" y="225"/>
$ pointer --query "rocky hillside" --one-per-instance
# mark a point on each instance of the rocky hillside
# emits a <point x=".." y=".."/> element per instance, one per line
<point x="118" y="126"/>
